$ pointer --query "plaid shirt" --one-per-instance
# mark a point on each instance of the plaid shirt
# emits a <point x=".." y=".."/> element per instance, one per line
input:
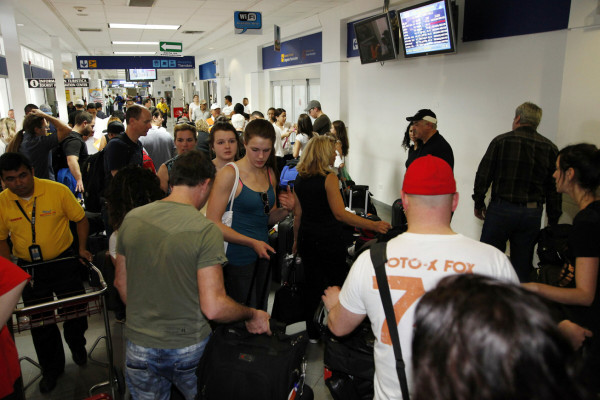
<point x="520" y="164"/>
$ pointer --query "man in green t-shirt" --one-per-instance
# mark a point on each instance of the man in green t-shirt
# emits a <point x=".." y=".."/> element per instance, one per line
<point x="169" y="274"/>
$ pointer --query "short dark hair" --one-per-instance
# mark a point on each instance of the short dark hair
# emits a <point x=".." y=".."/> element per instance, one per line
<point x="14" y="161"/>
<point x="118" y="114"/>
<point x="156" y="112"/>
<point x="258" y="114"/>
<point x="229" y="98"/>
<point x="83" y="116"/>
<point x="146" y="100"/>
<point x="31" y="122"/>
<point x="191" y="169"/>
<point x="480" y="338"/>
<point x="30" y="107"/>
<point x="184" y="126"/>
<point x="90" y="105"/>
<point x="133" y="112"/>
<point x="98" y="105"/>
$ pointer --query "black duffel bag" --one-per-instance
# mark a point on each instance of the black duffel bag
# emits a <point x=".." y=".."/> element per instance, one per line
<point x="348" y="361"/>
<point x="237" y="364"/>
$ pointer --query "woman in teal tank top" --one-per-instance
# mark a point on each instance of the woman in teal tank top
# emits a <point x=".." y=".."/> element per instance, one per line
<point x="254" y="209"/>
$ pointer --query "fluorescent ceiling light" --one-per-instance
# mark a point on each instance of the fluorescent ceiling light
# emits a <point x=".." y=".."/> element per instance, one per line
<point x="140" y="43"/>
<point x="135" y="52"/>
<point x="143" y="26"/>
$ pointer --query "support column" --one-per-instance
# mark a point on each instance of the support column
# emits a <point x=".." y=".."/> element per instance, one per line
<point x="61" y="96"/>
<point x="14" y="62"/>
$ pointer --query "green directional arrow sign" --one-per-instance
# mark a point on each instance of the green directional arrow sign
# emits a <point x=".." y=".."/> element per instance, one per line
<point x="174" y="47"/>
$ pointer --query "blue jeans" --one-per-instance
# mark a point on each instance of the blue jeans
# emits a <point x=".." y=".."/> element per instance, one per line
<point x="520" y="225"/>
<point x="150" y="372"/>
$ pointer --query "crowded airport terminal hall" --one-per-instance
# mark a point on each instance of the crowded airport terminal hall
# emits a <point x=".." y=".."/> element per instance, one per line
<point x="299" y="199"/>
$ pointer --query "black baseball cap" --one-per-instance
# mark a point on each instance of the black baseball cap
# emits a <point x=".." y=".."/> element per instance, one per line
<point x="424" y="114"/>
<point x="115" y="127"/>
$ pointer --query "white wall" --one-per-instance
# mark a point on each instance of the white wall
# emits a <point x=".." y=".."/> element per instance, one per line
<point x="473" y="92"/>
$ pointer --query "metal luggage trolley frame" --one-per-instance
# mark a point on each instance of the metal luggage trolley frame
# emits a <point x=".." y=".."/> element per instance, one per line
<point x="89" y="303"/>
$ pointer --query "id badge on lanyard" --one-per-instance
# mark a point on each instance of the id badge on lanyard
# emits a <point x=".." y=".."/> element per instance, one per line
<point x="35" y="251"/>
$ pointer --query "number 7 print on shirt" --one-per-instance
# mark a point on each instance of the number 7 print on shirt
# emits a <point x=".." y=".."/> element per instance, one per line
<point x="413" y="288"/>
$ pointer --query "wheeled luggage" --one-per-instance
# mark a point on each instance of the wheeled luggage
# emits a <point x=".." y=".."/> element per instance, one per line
<point x="239" y="365"/>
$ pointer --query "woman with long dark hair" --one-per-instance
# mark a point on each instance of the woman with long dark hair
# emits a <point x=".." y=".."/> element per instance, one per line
<point x="342" y="145"/>
<point x="578" y="175"/>
<point x="305" y="133"/>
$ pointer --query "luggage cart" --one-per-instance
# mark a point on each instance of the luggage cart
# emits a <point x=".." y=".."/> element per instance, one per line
<point x="54" y="311"/>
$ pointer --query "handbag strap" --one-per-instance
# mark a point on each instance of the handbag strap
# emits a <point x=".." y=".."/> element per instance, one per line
<point x="379" y="258"/>
<point x="235" y="185"/>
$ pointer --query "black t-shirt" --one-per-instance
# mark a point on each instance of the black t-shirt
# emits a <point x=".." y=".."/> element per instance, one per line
<point x="584" y="241"/>
<point x="72" y="145"/>
<point x="121" y="152"/>
<point x="436" y="146"/>
<point x="322" y="125"/>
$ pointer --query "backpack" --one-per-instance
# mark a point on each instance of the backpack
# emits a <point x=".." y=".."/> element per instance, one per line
<point x="93" y="176"/>
<point x="288" y="174"/>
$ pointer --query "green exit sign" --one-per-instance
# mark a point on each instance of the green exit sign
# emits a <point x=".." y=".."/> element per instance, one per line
<point x="173" y="47"/>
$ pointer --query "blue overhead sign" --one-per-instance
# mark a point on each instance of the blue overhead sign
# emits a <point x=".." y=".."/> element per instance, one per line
<point x="303" y="50"/>
<point x="247" y="22"/>
<point x="130" y="62"/>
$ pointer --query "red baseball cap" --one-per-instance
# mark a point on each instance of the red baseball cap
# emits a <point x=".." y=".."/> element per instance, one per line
<point x="429" y="176"/>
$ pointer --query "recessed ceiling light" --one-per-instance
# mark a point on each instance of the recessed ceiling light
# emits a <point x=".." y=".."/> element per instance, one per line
<point x="135" y="52"/>
<point x="143" y="26"/>
<point x="20" y="25"/>
<point x="141" y="43"/>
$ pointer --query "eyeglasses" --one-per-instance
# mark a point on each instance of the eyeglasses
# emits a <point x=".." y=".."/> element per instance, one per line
<point x="265" y="199"/>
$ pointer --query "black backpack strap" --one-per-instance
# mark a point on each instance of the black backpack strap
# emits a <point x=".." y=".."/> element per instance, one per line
<point x="379" y="258"/>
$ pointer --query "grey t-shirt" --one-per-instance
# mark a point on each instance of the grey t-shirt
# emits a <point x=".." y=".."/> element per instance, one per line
<point x="165" y="243"/>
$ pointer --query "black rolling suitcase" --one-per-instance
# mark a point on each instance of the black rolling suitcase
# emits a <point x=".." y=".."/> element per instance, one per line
<point x="360" y="196"/>
<point x="239" y="365"/>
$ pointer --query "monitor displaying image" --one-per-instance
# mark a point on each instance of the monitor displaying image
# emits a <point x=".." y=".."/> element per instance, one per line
<point x="141" y="75"/>
<point x="427" y="29"/>
<point x="374" y="39"/>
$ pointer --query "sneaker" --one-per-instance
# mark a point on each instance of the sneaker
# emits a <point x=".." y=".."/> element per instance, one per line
<point x="79" y="356"/>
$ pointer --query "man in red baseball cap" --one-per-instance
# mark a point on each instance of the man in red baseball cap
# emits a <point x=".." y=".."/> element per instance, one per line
<point x="417" y="260"/>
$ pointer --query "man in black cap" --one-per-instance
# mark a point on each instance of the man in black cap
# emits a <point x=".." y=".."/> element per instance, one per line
<point x="424" y="124"/>
<point x="322" y="123"/>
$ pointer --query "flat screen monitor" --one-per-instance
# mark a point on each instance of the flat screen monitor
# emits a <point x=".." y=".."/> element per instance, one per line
<point x="427" y="29"/>
<point x="141" y="75"/>
<point x="374" y="39"/>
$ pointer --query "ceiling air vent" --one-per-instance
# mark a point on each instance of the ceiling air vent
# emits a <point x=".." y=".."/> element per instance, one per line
<point x="90" y="30"/>
<point x="192" y="32"/>
<point x="141" y="3"/>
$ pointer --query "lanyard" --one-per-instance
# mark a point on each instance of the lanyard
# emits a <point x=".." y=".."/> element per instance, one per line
<point x="32" y="220"/>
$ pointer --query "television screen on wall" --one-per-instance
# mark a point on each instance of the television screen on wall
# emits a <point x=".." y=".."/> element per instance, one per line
<point x="141" y="75"/>
<point x="374" y="39"/>
<point x="427" y="29"/>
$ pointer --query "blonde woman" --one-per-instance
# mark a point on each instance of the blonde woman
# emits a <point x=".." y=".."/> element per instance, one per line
<point x="319" y="216"/>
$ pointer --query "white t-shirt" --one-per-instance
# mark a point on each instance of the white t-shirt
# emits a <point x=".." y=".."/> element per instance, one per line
<point x="303" y="139"/>
<point x="112" y="244"/>
<point x="278" y="142"/>
<point x="416" y="262"/>
<point x="193" y="106"/>
<point x="227" y="110"/>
